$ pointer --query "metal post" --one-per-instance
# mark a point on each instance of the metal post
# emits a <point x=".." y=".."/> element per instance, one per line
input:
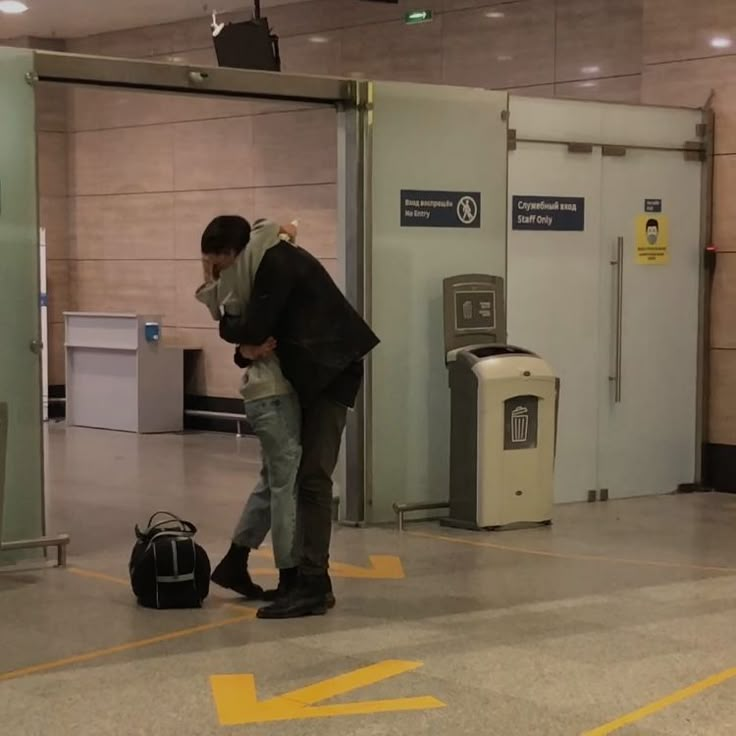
<point x="354" y="211"/>
<point x="706" y="286"/>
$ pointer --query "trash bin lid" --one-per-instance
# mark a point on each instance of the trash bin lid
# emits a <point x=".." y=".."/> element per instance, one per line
<point x="481" y="352"/>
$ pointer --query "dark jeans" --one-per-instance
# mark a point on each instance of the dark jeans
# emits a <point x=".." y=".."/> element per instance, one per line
<point x="323" y="422"/>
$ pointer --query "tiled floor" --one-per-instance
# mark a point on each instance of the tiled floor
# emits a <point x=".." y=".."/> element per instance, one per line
<point x="549" y="631"/>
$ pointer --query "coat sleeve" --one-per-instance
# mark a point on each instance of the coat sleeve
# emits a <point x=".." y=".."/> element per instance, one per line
<point x="272" y="287"/>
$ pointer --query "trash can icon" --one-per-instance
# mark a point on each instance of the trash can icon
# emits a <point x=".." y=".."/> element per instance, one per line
<point x="520" y="425"/>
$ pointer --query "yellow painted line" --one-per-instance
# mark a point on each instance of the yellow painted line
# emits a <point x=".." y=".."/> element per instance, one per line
<point x="237" y="704"/>
<point x="97" y="576"/>
<point x="129" y="646"/>
<point x="658" y="705"/>
<point x="381" y="567"/>
<point x="571" y="556"/>
<point x="350" y="681"/>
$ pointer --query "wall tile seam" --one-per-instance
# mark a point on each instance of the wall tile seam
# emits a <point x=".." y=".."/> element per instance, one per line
<point x="559" y="82"/>
<point x="688" y="59"/>
<point x="147" y="260"/>
<point x="77" y="131"/>
<point x="143" y="193"/>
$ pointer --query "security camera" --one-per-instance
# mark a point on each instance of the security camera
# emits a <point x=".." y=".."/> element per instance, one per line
<point x="215" y="26"/>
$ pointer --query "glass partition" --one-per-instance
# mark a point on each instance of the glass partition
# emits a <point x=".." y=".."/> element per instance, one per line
<point x="22" y="509"/>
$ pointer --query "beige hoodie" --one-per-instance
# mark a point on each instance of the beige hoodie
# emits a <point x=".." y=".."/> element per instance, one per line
<point x="231" y="294"/>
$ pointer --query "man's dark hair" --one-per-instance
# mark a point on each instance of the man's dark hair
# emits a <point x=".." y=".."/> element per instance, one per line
<point x="652" y="223"/>
<point x="225" y="234"/>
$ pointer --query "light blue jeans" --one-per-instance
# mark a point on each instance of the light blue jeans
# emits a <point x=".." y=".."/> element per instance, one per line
<point x="276" y="422"/>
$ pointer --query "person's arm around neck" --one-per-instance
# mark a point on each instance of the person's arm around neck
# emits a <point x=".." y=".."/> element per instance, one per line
<point x="272" y="288"/>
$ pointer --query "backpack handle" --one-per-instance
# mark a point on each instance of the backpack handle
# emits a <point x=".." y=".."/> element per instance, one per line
<point x="171" y="519"/>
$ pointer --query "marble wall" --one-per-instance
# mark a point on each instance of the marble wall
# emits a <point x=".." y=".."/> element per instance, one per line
<point x="146" y="175"/>
<point x="674" y="52"/>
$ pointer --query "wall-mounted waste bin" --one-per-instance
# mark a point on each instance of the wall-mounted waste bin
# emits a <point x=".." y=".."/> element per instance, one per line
<point x="502" y="445"/>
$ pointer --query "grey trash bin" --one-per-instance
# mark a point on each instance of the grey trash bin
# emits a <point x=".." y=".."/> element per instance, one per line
<point x="503" y="434"/>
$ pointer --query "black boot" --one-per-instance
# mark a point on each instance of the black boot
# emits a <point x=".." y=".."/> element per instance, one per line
<point x="311" y="596"/>
<point x="331" y="600"/>
<point x="288" y="579"/>
<point x="232" y="573"/>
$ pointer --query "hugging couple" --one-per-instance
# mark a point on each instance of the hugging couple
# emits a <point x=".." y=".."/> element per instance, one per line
<point x="301" y="345"/>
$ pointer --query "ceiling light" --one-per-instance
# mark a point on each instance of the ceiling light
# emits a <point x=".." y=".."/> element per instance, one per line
<point x="12" y="7"/>
<point x="504" y="57"/>
<point x="318" y="39"/>
<point x="721" y="42"/>
<point x="588" y="84"/>
<point x="590" y="69"/>
<point x="495" y="14"/>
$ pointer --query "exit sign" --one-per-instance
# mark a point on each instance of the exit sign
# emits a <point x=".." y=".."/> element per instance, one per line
<point x="418" y="16"/>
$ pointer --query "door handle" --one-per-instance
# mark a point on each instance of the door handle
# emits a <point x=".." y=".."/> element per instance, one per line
<point x="36" y="347"/>
<point x="618" y="264"/>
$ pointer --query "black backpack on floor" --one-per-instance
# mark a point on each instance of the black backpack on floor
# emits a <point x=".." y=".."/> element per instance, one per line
<point x="168" y="569"/>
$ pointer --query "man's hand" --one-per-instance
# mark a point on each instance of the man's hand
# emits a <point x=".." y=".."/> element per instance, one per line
<point x="210" y="270"/>
<point x="258" y="352"/>
<point x="289" y="231"/>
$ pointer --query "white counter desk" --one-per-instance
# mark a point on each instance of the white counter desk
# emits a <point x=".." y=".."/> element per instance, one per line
<point x="116" y="379"/>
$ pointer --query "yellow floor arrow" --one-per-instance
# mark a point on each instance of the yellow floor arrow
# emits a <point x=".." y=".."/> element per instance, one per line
<point x="382" y="567"/>
<point x="238" y="704"/>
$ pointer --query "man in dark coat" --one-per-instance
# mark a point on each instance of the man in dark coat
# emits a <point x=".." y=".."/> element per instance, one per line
<point x="321" y="341"/>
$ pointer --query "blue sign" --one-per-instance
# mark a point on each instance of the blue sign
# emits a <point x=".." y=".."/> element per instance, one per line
<point x="652" y="205"/>
<point x="420" y="208"/>
<point x="152" y="331"/>
<point x="548" y="213"/>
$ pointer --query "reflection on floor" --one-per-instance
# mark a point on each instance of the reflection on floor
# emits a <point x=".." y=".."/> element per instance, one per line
<point x="549" y="631"/>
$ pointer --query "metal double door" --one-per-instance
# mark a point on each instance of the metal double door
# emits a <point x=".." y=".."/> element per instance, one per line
<point x="614" y="308"/>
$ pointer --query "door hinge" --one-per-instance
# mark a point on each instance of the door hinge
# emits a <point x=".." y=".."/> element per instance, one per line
<point x="511" y="139"/>
<point x="579" y="147"/>
<point x="613" y="150"/>
<point x="694" y="151"/>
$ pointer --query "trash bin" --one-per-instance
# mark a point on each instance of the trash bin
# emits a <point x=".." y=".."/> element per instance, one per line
<point x="503" y="434"/>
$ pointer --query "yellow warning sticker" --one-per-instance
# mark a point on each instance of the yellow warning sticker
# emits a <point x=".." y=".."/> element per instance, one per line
<point x="652" y="239"/>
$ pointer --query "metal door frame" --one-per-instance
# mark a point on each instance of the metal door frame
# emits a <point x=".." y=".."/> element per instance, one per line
<point x="350" y="99"/>
<point x="355" y="133"/>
